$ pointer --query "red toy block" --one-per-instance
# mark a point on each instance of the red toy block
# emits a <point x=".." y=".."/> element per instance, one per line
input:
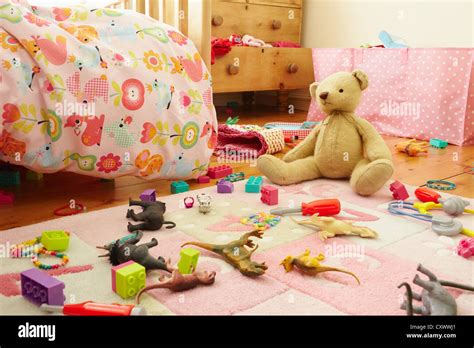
<point x="269" y="195"/>
<point x="399" y="192"/>
<point x="6" y="197"/>
<point x="203" y="179"/>
<point x="219" y="171"/>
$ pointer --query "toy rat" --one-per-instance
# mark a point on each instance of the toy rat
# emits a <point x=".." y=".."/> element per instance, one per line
<point x="152" y="216"/>
<point x="342" y="146"/>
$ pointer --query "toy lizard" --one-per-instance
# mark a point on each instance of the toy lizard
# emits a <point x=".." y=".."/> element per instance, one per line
<point x="152" y="216"/>
<point x="435" y="298"/>
<point x="236" y="254"/>
<point x="330" y="227"/>
<point x="310" y="265"/>
<point x="124" y="250"/>
<point x="181" y="282"/>
<point x="413" y="147"/>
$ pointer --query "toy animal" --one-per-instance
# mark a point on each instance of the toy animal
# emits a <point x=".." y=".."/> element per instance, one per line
<point x="310" y="265"/>
<point x="152" y="216"/>
<point x="435" y="298"/>
<point x="181" y="282"/>
<point x="236" y="254"/>
<point x="342" y="146"/>
<point x="413" y="147"/>
<point x="127" y="250"/>
<point x="330" y="227"/>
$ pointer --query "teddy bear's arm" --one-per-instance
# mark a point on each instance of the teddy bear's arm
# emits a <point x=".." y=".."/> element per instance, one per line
<point x="374" y="145"/>
<point x="305" y="148"/>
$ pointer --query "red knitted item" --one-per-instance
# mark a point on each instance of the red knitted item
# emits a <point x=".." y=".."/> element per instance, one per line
<point x="229" y="139"/>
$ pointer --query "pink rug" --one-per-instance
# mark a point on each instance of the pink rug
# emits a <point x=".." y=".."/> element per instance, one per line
<point x="381" y="264"/>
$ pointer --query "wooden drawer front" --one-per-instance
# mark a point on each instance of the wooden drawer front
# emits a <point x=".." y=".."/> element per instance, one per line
<point x="268" y="23"/>
<point x="287" y="3"/>
<point x="262" y="69"/>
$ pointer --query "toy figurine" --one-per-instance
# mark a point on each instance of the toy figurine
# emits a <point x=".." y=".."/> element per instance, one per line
<point x="330" y="227"/>
<point x="152" y="216"/>
<point x="126" y="250"/>
<point x="310" y="265"/>
<point x="413" y="147"/>
<point x="181" y="282"/>
<point x="436" y="300"/>
<point x="236" y="254"/>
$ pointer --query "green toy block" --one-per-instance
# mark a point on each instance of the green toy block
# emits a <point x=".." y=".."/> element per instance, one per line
<point x="179" y="186"/>
<point x="438" y="143"/>
<point x="254" y="184"/>
<point x="55" y="240"/>
<point x="33" y="176"/>
<point x="130" y="280"/>
<point x="188" y="262"/>
<point x="9" y="178"/>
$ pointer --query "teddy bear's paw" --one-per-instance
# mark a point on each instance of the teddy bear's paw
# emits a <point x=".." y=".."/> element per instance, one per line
<point x="368" y="179"/>
<point x="274" y="169"/>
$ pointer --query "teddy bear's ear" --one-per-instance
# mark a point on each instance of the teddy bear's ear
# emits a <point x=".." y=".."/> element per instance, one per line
<point x="362" y="78"/>
<point x="312" y="89"/>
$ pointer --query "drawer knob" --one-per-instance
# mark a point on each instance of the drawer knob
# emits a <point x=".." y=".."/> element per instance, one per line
<point x="233" y="69"/>
<point x="292" y="68"/>
<point x="217" y="20"/>
<point x="276" y="24"/>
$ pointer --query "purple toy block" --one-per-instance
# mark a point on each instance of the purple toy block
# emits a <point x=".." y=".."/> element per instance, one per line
<point x="203" y="179"/>
<point x="148" y="196"/>
<point x="269" y="195"/>
<point x="39" y="287"/>
<point x="399" y="192"/>
<point x="224" y="186"/>
<point x="116" y="268"/>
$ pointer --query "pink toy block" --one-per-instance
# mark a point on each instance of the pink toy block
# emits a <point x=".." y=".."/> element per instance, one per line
<point x="6" y="197"/>
<point x="269" y="195"/>
<point x="219" y="171"/>
<point x="399" y="192"/>
<point x="203" y="179"/>
<point x="116" y="268"/>
<point x="465" y="248"/>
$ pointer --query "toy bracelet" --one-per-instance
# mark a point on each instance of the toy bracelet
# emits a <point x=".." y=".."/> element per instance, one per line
<point x="441" y="185"/>
<point x="78" y="208"/>
<point x="189" y="202"/>
<point x="261" y="221"/>
<point x="40" y="265"/>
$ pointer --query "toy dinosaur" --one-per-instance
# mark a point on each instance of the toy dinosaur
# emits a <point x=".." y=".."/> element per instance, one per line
<point x="236" y="254"/>
<point x="413" y="147"/>
<point x="181" y="282"/>
<point x="435" y="298"/>
<point x="124" y="250"/>
<point x="310" y="265"/>
<point x="330" y="227"/>
<point x="152" y="216"/>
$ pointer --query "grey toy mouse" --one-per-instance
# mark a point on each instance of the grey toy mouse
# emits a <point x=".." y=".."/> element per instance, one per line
<point x="152" y="216"/>
<point x="435" y="298"/>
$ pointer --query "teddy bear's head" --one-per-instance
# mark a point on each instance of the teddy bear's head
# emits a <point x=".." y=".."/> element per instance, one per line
<point x="340" y="91"/>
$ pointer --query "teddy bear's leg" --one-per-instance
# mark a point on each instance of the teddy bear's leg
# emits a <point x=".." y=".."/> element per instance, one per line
<point x="282" y="173"/>
<point x="368" y="177"/>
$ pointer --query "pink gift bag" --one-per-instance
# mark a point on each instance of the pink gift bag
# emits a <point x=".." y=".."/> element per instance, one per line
<point x="418" y="93"/>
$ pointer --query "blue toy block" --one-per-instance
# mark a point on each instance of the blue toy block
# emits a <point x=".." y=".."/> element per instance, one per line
<point x="254" y="184"/>
<point x="9" y="178"/>
<point x="438" y="143"/>
<point x="179" y="186"/>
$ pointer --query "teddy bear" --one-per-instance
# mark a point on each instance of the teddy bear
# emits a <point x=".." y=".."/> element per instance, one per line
<point x="343" y="145"/>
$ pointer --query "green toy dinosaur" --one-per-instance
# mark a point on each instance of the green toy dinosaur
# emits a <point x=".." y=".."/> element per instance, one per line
<point x="236" y="254"/>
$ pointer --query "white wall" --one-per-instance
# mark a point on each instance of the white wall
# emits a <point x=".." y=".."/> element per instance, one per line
<point x="351" y="23"/>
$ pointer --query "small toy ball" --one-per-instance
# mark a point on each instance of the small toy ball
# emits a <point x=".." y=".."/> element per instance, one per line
<point x="261" y="221"/>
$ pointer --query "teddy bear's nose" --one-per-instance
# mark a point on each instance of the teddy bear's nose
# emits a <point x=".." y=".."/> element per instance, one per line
<point x="323" y="95"/>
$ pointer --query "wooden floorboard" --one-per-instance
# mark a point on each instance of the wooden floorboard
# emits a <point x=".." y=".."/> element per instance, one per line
<point x="36" y="201"/>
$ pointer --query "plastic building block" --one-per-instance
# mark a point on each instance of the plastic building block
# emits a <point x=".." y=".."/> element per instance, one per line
<point x="399" y="192"/>
<point x="9" y="178"/>
<point x="39" y="287"/>
<point x="33" y="176"/>
<point x="203" y="179"/>
<point x="424" y="194"/>
<point x="219" y="171"/>
<point x="224" y="186"/>
<point x="438" y="143"/>
<point x="129" y="280"/>
<point x="6" y="197"/>
<point x="114" y="273"/>
<point x="465" y="248"/>
<point x="188" y="262"/>
<point x="235" y="177"/>
<point x="55" y="240"/>
<point x="253" y="185"/>
<point x="269" y="195"/>
<point x="179" y="186"/>
<point x="148" y="196"/>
